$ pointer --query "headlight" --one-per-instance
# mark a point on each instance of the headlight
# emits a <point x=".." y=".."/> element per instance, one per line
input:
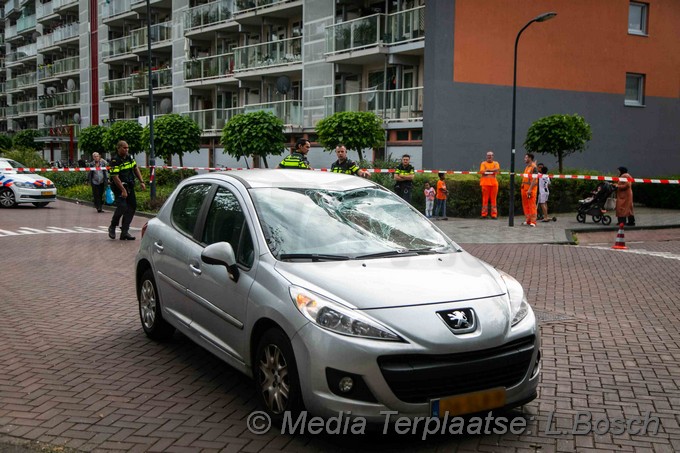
<point x="336" y="318"/>
<point x="519" y="307"/>
<point x="25" y="185"/>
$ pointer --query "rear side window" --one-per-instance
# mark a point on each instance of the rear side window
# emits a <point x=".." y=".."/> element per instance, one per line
<point x="187" y="207"/>
<point x="226" y="222"/>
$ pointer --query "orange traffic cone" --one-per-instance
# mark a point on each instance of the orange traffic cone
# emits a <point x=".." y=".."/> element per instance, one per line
<point x="620" y="243"/>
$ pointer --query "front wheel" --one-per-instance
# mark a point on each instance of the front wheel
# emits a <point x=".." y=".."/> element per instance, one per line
<point x="276" y="375"/>
<point x="581" y="217"/>
<point x="7" y="198"/>
<point x="597" y="218"/>
<point x="41" y="204"/>
<point x="606" y="220"/>
<point x="154" y="325"/>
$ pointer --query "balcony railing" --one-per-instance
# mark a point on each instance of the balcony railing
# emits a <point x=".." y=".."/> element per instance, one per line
<point x="391" y="105"/>
<point x="58" y="4"/>
<point x="117" y="47"/>
<point x="44" y="9"/>
<point x="22" y="52"/>
<point x="114" y="8"/>
<point x="59" y="67"/>
<point x="159" y="33"/>
<point x="59" y="100"/>
<point x="272" y="53"/>
<point x="208" y="14"/>
<point x="11" y="6"/>
<point x="25" y="23"/>
<point x="10" y="32"/>
<point x="290" y="112"/>
<point x="406" y="26"/>
<point x="58" y="35"/>
<point x="213" y="120"/>
<point x="118" y="87"/>
<point x="354" y="34"/>
<point x="22" y="81"/>
<point x="22" y="108"/>
<point x="244" y="6"/>
<point x="209" y="67"/>
<point x="161" y="78"/>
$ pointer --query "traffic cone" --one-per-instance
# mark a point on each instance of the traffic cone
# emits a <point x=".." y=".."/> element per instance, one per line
<point x="620" y="243"/>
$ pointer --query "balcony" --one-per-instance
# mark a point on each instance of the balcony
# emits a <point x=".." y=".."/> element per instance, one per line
<point x="118" y="88"/>
<point x="26" y="23"/>
<point x="285" y="52"/>
<point x="11" y="7"/>
<point x="138" y="83"/>
<point x="27" y="80"/>
<point x="212" y="121"/>
<point x="116" y="9"/>
<point x="59" y="36"/>
<point x="160" y="33"/>
<point x="250" y="12"/>
<point x="65" y="66"/>
<point x="206" y="68"/>
<point x="354" y="35"/>
<point x="23" y="108"/>
<point x="43" y="10"/>
<point x="10" y="32"/>
<point x="119" y="47"/>
<point x="60" y="5"/>
<point x="59" y="101"/>
<point x="290" y="112"/>
<point x="390" y="105"/>
<point x="209" y="14"/>
<point x="406" y="26"/>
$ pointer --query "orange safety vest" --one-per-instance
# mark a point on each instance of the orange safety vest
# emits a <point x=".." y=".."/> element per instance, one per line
<point x="529" y="170"/>
<point x="488" y="180"/>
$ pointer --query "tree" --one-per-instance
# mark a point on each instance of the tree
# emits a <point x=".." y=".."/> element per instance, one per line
<point x="26" y="139"/>
<point x="559" y="135"/>
<point x="5" y="142"/>
<point x="257" y="133"/>
<point x="356" y="130"/>
<point x="91" y="139"/>
<point x="130" y="131"/>
<point x="173" y="135"/>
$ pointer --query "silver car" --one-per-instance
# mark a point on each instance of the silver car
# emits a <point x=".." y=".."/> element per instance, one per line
<point x="335" y="295"/>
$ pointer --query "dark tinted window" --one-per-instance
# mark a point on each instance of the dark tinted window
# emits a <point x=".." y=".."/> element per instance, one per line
<point x="187" y="207"/>
<point x="226" y="223"/>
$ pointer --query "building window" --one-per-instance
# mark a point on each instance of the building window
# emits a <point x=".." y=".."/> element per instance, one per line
<point x="635" y="89"/>
<point x="637" y="18"/>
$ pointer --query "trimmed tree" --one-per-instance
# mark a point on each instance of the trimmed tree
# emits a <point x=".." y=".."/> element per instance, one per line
<point x="173" y="135"/>
<point x="256" y="133"/>
<point x="26" y="139"/>
<point x="91" y="139"/>
<point x="559" y="135"/>
<point x="130" y="131"/>
<point x="356" y="130"/>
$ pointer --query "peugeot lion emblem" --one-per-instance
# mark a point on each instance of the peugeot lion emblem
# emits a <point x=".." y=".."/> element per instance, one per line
<point x="460" y="320"/>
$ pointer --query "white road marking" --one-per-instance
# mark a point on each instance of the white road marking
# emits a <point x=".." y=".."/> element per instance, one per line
<point x="667" y="255"/>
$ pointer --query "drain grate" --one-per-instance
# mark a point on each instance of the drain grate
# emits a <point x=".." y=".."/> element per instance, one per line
<point x="549" y="316"/>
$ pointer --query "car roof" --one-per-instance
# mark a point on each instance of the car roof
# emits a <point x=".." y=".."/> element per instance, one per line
<point x="305" y="179"/>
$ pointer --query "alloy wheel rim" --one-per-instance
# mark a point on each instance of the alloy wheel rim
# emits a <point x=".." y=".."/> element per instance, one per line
<point x="147" y="304"/>
<point x="7" y="198"/>
<point x="274" y="379"/>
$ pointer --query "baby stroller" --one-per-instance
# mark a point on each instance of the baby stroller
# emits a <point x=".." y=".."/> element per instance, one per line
<point x="597" y="205"/>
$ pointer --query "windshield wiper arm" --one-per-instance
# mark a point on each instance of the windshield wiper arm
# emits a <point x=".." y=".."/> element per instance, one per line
<point x="312" y="256"/>
<point x="400" y="252"/>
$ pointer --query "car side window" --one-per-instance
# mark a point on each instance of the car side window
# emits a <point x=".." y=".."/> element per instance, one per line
<point x="187" y="207"/>
<point x="227" y="223"/>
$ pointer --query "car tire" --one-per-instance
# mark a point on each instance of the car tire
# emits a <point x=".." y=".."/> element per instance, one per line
<point x="41" y="204"/>
<point x="155" y="327"/>
<point x="276" y="376"/>
<point x="7" y="198"/>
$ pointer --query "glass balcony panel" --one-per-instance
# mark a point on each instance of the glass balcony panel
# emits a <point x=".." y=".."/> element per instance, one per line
<point x="24" y="23"/>
<point x="354" y="34"/>
<point x="272" y="53"/>
<point x="208" y="67"/>
<point x="159" y="33"/>
<point x="59" y="67"/>
<point x="114" y="8"/>
<point x="118" y="87"/>
<point x="117" y="47"/>
<point x="406" y="26"/>
<point x="44" y="9"/>
<point x="290" y="111"/>
<point x="63" y="3"/>
<point x="390" y="105"/>
<point x="59" y="100"/>
<point x="243" y="6"/>
<point x="208" y="14"/>
<point x="160" y="78"/>
<point x="213" y="119"/>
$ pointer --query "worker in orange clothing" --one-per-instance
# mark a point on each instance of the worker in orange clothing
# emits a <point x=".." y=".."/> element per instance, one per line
<point x="489" y="184"/>
<point x="529" y="190"/>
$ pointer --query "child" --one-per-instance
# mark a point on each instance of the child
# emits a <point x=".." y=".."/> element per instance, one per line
<point x="429" y="199"/>
<point x="544" y="193"/>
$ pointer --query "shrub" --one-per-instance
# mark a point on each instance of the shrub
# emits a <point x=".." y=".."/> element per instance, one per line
<point x="26" y="156"/>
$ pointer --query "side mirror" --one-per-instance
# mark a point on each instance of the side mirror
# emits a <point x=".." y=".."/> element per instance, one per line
<point x="221" y="254"/>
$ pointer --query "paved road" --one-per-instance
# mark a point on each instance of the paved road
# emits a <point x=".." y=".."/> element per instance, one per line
<point x="77" y="370"/>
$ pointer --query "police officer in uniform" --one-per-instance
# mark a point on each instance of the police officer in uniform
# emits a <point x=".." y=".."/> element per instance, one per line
<point x="298" y="158"/>
<point x="123" y="172"/>
<point x="404" y="174"/>
<point x="344" y="165"/>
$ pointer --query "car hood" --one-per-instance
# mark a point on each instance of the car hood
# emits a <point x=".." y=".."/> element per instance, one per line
<point x="29" y="177"/>
<point x="399" y="281"/>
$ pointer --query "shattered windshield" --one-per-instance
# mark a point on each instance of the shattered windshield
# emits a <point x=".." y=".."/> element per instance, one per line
<point x="345" y="225"/>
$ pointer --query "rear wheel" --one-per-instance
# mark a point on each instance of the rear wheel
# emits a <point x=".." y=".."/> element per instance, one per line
<point x="7" y="198"/>
<point x="41" y="204"/>
<point x="150" y="309"/>
<point x="581" y="217"/>
<point x="597" y="218"/>
<point x="276" y="376"/>
<point x="606" y="220"/>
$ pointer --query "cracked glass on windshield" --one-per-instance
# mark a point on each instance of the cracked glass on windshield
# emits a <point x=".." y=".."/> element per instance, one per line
<point x="352" y="223"/>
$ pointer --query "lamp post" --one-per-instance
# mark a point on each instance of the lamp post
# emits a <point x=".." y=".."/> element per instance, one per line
<point x="152" y="151"/>
<point x="511" y="211"/>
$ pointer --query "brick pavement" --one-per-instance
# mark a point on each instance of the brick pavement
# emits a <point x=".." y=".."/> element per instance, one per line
<point x="77" y="370"/>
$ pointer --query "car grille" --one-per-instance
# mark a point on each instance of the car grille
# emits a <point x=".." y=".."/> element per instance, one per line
<point x="417" y="378"/>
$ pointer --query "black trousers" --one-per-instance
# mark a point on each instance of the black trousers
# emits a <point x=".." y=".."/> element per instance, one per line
<point x="404" y="192"/>
<point x="98" y="195"/>
<point x="125" y="208"/>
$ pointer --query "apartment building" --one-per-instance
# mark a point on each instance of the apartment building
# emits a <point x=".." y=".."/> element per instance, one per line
<point x="73" y="63"/>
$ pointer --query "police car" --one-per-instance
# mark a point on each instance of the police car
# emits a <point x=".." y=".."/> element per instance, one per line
<point x="19" y="185"/>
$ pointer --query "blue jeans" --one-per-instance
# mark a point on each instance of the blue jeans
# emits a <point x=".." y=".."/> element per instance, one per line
<point x="439" y="206"/>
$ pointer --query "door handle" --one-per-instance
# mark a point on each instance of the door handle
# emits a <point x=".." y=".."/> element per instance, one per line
<point x="195" y="269"/>
<point x="159" y="246"/>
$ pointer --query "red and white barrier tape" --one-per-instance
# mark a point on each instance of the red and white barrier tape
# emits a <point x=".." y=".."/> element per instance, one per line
<point x="371" y="170"/>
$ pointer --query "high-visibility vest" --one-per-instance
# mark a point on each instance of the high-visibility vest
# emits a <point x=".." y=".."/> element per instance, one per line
<point x="295" y="161"/>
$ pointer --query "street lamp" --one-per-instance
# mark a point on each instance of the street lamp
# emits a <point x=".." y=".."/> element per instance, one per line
<point x="511" y="212"/>
<point x="152" y="151"/>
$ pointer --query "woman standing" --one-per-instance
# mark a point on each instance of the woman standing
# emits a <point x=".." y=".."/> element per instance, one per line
<point x="624" y="198"/>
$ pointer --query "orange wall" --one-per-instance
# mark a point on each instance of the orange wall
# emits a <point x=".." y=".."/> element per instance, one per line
<point x="585" y="48"/>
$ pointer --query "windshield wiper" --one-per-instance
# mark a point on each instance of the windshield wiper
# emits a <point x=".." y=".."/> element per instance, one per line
<point x="312" y="256"/>
<point x="400" y="252"/>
